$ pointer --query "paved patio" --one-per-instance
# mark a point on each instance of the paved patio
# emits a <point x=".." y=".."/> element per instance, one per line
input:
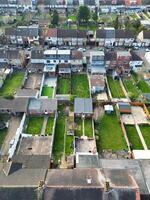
<point x="33" y="81"/>
<point x="138" y="116"/>
<point x="35" y="146"/>
<point x="50" y="81"/>
<point x="85" y="145"/>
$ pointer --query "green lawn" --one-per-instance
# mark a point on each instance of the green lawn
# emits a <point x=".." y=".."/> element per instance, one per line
<point x="109" y="134"/>
<point x="34" y="125"/>
<point x="145" y="129"/>
<point x="73" y="18"/>
<point x="88" y="129"/>
<point x="69" y="145"/>
<point x="80" y="85"/>
<point x="131" y="88"/>
<point x="78" y="127"/>
<point x="3" y="134"/>
<point x="135" y="76"/>
<point x="133" y="16"/>
<point x="115" y="88"/>
<point x="49" y="126"/>
<point x="47" y="91"/>
<point x="143" y="86"/>
<point x="11" y="84"/>
<point x="64" y="86"/>
<point x="133" y="137"/>
<point x="58" y="146"/>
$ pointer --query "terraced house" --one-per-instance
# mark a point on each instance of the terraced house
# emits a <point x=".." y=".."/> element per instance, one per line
<point x="65" y="37"/>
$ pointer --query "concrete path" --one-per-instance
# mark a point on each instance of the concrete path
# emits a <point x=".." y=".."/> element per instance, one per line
<point x="63" y="164"/>
<point x="141" y="137"/>
<point x="44" y="125"/>
<point x="109" y="92"/>
<point x="88" y="76"/>
<point x="65" y="138"/>
<point x="146" y="18"/>
<point x="93" y="129"/>
<point x="83" y="127"/>
<point x="116" y="100"/>
<point x="138" y="15"/>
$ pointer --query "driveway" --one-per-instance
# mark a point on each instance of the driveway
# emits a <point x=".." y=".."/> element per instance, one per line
<point x="13" y="126"/>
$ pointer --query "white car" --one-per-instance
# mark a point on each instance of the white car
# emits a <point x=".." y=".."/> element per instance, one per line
<point x="136" y="48"/>
<point x="81" y="49"/>
<point x="147" y="50"/>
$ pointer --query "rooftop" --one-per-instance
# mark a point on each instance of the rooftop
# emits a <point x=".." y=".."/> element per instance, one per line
<point x="16" y="105"/>
<point x="70" y="178"/>
<point x="83" y="105"/>
<point x="123" y="106"/>
<point x="76" y="54"/>
<point x="135" y="56"/>
<point x="24" y="31"/>
<point x="42" y="105"/>
<point x="92" y="182"/>
<point x="26" y="93"/>
<point x="22" y="178"/>
<point x="37" y="54"/>
<point x="123" y="53"/>
<point x="146" y="34"/>
<point x="51" y="32"/>
<point x="50" y="68"/>
<point x="33" y="161"/>
<point x="97" y="80"/>
<point x="101" y="33"/>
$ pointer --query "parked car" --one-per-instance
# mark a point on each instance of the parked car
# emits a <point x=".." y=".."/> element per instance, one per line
<point x="81" y="49"/>
<point x="136" y="48"/>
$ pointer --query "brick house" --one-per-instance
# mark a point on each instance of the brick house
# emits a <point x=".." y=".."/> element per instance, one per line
<point x="123" y="62"/>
